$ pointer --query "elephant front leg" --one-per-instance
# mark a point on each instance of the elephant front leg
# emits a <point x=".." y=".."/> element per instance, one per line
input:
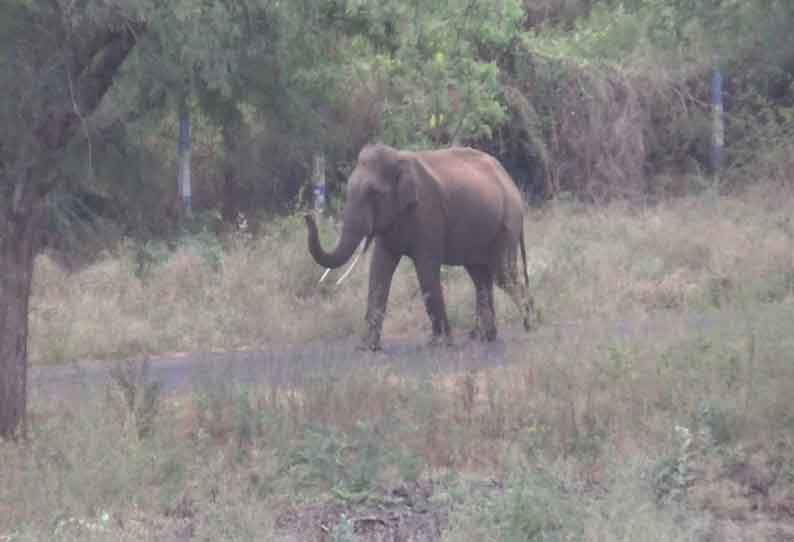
<point x="429" y="274"/>
<point x="381" y="272"/>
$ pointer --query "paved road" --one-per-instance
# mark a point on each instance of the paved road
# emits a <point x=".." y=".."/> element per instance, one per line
<point x="179" y="373"/>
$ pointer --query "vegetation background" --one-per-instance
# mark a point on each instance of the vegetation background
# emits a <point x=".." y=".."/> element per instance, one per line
<point x="599" y="100"/>
<point x="600" y="109"/>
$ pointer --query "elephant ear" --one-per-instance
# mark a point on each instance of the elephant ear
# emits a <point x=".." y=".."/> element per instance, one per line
<point x="408" y="172"/>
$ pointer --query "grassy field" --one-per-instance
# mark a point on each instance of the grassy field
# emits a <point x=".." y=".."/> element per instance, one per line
<point x="671" y="432"/>
<point x="584" y="263"/>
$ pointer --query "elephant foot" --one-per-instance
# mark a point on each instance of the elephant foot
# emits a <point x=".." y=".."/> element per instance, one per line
<point x="479" y="334"/>
<point x="369" y="346"/>
<point x="370" y="340"/>
<point x="441" y="340"/>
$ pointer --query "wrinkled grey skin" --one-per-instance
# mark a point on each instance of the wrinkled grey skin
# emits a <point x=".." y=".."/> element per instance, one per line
<point x="455" y="206"/>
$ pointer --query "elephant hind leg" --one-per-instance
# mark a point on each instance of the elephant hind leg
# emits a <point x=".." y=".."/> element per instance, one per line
<point x="507" y="277"/>
<point x="484" y="314"/>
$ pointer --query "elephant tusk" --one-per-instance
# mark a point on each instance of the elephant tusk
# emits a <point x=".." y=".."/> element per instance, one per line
<point x="359" y="252"/>
<point x="324" y="275"/>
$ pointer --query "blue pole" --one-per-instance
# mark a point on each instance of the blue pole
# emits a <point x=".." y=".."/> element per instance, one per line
<point x="183" y="147"/>
<point x="318" y="182"/>
<point x="718" y="138"/>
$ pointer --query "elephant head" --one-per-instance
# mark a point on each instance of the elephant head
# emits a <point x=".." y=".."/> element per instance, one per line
<point x="381" y="187"/>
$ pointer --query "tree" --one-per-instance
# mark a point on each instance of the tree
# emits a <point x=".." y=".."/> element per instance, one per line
<point x="56" y="65"/>
<point x="223" y="65"/>
<point x="198" y="47"/>
<point x="438" y="64"/>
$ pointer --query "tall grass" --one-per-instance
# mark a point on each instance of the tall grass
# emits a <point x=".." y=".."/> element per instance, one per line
<point x="653" y="403"/>
<point x="585" y="435"/>
<point x="612" y="262"/>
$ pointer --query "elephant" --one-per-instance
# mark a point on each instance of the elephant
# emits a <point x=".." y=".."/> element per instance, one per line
<point x="456" y="206"/>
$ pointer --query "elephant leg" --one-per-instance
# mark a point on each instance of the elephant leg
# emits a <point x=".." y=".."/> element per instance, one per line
<point x="428" y="271"/>
<point x="485" y="324"/>
<point x="381" y="272"/>
<point x="507" y="277"/>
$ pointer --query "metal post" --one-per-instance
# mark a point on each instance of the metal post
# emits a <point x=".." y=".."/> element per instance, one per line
<point x="718" y="139"/>
<point x="318" y="182"/>
<point x="183" y="148"/>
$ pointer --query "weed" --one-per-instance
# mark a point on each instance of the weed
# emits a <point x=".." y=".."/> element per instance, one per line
<point x="230" y="412"/>
<point x="149" y="255"/>
<point x="533" y="506"/>
<point x="347" y="465"/>
<point x="673" y="475"/>
<point x="208" y="246"/>
<point x="715" y="424"/>
<point x="246" y="428"/>
<point x="344" y="531"/>
<point x="140" y="396"/>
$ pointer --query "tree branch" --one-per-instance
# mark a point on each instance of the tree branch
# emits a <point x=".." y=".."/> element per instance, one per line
<point x="94" y="80"/>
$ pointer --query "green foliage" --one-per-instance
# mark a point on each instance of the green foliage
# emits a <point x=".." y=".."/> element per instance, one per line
<point x="207" y="244"/>
<point x="673" y="475"/>
<point x="564" y="92"/>
<point x="715" y="423"/>
<point x="623" y="31"/>
<point x="198" y="44"/>
<point x="268" y="83"/>
<point x="153" y="254"/>
<point x="436" y="66"/>
<point x="347" y="465"/>
<point x="63" y="61"/>
<point x="149" y="255"/>
<point x="344" y="531"/>
<point x="713" y="431"/>
<point x="532" y="506"/>
<point x="607" y="34"/>
<point x="662" y="52"/>
<point x="229" y="411"/>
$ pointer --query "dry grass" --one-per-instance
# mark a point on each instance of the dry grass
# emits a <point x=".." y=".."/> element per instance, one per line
<point x="654" y="403"/>
<point x="692" y="252"/>
<point x="661" y="434"/>
<point x="86" y="474"/>
<point x="614" y="261"/>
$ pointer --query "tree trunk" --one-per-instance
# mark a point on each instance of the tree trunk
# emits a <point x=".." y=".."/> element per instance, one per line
<point x="230" y="202"/>
<point x="17" y="252"/>
<point x="69" y="64"/>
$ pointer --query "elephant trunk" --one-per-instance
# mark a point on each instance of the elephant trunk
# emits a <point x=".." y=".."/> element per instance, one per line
<point x="350" y="239"/>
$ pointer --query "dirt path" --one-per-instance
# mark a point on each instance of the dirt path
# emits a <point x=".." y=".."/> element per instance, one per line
<point x="279" y="366"/>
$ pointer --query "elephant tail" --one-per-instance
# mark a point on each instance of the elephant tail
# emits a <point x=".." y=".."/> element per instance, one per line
<point x="524" y="257"/>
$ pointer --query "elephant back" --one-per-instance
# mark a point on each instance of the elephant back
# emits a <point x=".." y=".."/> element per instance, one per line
<point x="480" y="200"/>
